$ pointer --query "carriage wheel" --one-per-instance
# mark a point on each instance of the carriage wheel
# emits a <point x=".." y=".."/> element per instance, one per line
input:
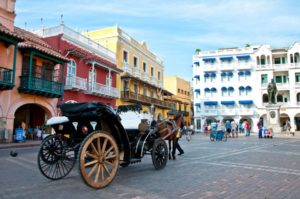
<point x="159" y="154"/>
<point x="55" y="158"/>
<point x="99" y="159"/>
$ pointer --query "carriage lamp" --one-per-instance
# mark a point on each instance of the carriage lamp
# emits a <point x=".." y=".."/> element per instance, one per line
<point x="84" y="130"/>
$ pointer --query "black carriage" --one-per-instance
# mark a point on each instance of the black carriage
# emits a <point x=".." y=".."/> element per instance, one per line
<point x="92" y="133"/>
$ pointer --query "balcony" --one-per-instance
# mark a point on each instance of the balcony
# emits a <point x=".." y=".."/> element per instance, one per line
<point x="137" y="98"/>
<point x="227" y="66"/>
<point x="136" y="72"/>
<point x="210" y="112"/>
<point x="245" y="111"/>
<point x="264" y="67"/>
<point x="209" y="67"/>
<point x="244" y="65"/>
<point x="6" y="79"/>
<point x="40" y="86"/>
<point x="146" y="77"/>
<point x="174" y="112"/>
<point x="103" y="90"/>
<point x="127" y="68"/>
<point x="76" y="83"/>
<point x="283" y="86"/>
<point x="228" y="111"/>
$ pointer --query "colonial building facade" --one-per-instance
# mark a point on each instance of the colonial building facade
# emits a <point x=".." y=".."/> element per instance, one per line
<point x="30" y="78"/>
<point x="91" y="73"/>
<point x="231" y="84"/>
<point x="181" y="97"/>
<point x="142" y="79"/>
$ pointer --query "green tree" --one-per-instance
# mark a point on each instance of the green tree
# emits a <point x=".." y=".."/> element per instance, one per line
<point x="198" y="50"/>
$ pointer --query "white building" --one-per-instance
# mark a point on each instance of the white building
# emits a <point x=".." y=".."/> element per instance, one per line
<point x="231" y="84"/>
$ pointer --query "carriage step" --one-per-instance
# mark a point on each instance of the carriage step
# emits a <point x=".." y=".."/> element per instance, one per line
<point x="134" y="161"/>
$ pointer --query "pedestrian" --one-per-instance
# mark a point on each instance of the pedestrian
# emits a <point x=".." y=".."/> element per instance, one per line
<point x="240" y="126"/>
<point x="39" y="133"/>
<point x="247" y="127"/>
<point x="259" y="127"/>
<point x="288" y="127"/>
<point x="228" y="127"/>
<point x="233" y="127"/>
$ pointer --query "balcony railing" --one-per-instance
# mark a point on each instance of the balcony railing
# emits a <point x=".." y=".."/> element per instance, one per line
<point x="40" y="86"/>
<point x="209" y="112"/>
<point x="245" y="111"/>
<point x="103" y="90"/>
<point x="6" y="79"/>
<point x="76" y="83"/>
<point x="283" y="86"/>
<point x="137" y="98"/>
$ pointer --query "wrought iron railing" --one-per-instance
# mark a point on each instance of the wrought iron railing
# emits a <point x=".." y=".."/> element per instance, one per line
<point x="131" y="96"/>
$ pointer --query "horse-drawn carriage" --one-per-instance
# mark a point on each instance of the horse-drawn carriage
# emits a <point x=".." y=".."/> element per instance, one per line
<point x="93" y="134"/>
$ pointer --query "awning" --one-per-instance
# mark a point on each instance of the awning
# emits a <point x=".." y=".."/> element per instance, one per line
<point x="197" y="76"/>
<point x="209" y="59"/>
<point x="213" y="74"/>
<point x="213" y="89"/>
<point x="197" y="104"/>
<point x="227" y="102"/>
<point x="247" y="72"/>
<point x="248" y="88"/>
<point x="196" y="63"/>
<point x="245" y="102"/>
<point x="223" y="74"/>
<point x="241" y="88"/>
<point x="243" y="56"/>
<point x="224" y="89"/>
<point x="231" y="88"/>
<point x="206" y="74"/>
<point x="207" y="89"/>
<point x="241" y="73"/>
<point x="197" y="90"/>
<point x="230" y="74"/>
<point x="226" y="58"/>
<point x="211" y="103"/>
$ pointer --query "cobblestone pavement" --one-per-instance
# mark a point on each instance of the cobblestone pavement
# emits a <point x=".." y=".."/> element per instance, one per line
<point x="244" y="167"/>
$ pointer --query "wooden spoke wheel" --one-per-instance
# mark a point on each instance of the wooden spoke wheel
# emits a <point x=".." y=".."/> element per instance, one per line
<point x="55" y="158"/>
<point x="159" y="154"/>
<point x="99" y="159"/>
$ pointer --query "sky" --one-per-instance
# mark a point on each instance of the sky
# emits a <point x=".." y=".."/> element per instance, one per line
<point x="173" y="29"/>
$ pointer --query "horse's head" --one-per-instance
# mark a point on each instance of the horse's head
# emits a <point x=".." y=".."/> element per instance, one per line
<point x="179" y="120"/>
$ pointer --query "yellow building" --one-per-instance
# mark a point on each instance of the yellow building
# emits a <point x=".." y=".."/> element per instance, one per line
<point x="142" y="79"/>
<point x="182" y="96"/>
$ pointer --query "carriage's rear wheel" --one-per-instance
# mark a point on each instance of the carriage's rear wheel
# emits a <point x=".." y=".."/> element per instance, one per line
<point x="99" y="159"/>
<point x="55" y="158"/>
<point x="159" y="154"/>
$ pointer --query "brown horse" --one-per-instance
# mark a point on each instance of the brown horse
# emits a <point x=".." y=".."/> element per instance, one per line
<point x="171" y="130"/>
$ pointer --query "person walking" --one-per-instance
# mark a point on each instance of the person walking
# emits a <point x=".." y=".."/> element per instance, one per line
<point x="228" y="127"/>
<point x="259" y="127"/>
<point x="233" y="128"/>
<point x="247" y="127"/>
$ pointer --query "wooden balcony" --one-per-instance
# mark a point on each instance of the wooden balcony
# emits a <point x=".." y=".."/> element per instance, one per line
<point x="40" y="86"/>
<point x="6" y="79"/>
<point x="137" y="98"/>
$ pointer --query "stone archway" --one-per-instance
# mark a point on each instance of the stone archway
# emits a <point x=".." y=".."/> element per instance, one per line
<point x="297" y="122"/>
<point x="283" y="118"/>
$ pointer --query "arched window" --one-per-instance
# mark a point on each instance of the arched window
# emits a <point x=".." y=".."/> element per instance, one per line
<point x="263" y="60"/>
<point x="265" y="98"/>
<point x="298" y="97"/>
<point x="71" y="73"/>
<point x="279" y="98"/>
<point x="296" y="58"/>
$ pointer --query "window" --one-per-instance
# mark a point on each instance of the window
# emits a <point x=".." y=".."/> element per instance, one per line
<point x="280" y="79"/>
<point x="125" y="56"/>
<point x="126" y="86"/>
<point x="279" y="98"/>
<point x="144" y="67"/>
<point x="277" y="60"/>
<point x="135" y="88"/>
<point x="263" y="61"/>
<point x="188" y="93"/>
<point x="197" y="94"/>
<point x="152" y="93"/>
<point x="264" y="79"/>
<point x="71" y="72"/>
<point x="297" y="77"/>
<point x="158" y="75"/>
<point x="198" y="124"/>
<point x="145" y="91"/>
<point x="178" y="91"/>
<point x="135" y="62"/>
<point x="152" y="71"/>
<point x="198" y="109"/>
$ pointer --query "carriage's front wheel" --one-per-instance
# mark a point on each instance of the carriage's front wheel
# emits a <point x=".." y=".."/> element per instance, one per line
<point x="55" y="158"/>
<point x="99" y="159"/>
<point x="159" y="154"/>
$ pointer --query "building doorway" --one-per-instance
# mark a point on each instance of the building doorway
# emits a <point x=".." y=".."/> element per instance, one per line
<point x="30" y="116"/>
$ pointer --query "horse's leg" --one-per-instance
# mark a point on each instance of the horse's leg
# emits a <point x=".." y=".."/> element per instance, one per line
<point x="169" y="149"/>
<point x="174" y="148"/>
